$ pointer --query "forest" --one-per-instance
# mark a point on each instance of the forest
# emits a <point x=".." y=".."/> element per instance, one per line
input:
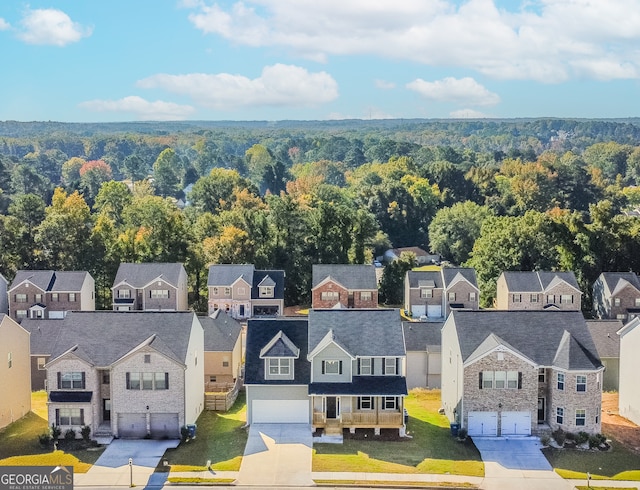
<point x="496" y="195"/>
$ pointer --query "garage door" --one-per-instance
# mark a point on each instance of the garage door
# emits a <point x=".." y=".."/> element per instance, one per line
<point x="434" y="311"/>
<point x="515" y="424"/>
<point x="164" y="426"/>
<point x="483" y="424"/>
<point x="132" y="425"/>
<point x="418" y="310"/>
<point x="280" y="411"/>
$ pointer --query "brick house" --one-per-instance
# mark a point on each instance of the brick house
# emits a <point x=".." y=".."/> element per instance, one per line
<point x="344" y="286"/>
<point x="150" y="287"/>
<point x="538" y="290"/>
<point x="616" y="295"/>
<point x="50" y="294"/>
<point x="520" y="372"/>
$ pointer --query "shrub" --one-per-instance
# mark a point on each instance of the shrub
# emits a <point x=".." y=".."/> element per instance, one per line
<point x="559" y="436"/>
<point x="86" y="432"/>
<point x="570" y="436"/>
<point x="44" y="439"/>
<point x="582" y="437"/>
<point x="70" y="435"/>
<point x="462" y="433"/>
<point x="55" y="432"/>
<point x="545" y="439"/>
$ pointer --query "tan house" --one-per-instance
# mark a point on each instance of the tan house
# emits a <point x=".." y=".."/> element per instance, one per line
<point x="424" y="358"/>
<point x="150" y="287"/>
<point x="4" y="299"/>
<point x="520" y="372"/>
<point x="344" y="286"/>
<point x="50" y="294"/>
<point x="616" y="295"/>
<point x="629" y="395"/>
<point x="432" y="294"/>
<point x="222" y="350"/>
<point x="15" y="386"/>
<point x="538" y="290"/>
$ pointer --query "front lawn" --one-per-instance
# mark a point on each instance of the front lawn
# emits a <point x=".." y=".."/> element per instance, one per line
<point x="220" y="438"/>
<point x="431" y="449"/>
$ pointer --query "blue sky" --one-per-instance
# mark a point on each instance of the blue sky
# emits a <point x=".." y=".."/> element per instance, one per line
<point x="126" y="60"/>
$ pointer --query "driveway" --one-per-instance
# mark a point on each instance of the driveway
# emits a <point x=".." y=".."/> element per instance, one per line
<point x="277" y="454"/>
<point x="112" y="468"/>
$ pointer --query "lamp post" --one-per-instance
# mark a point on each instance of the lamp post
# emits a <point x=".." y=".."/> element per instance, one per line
<point x="131" y="472"/>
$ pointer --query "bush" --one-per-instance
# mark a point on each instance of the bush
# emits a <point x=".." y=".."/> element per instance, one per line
<point x="559" y="436"/>
<point x="545" y="439"/>
<point x="70" y="435"/>
<point x="462" y="433"/>
<point x="570" y="436"/>
<point x="44" y="439"/>
<point x="86" y="432"/>
<point x="55" y="432"/>
<point x="582" y="437"/>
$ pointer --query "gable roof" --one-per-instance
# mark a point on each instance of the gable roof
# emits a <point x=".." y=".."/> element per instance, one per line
<point x="417" y="251"/>
<point x="361" y="332"/>
<point x="140" y="275"/>
<point x="273" y="278"/>
<point x="451" y="275"/>
<point x="418" y="336"/>
<point x="226" y="274"/>
<point x="537" y="281"/>
<point x="604" y="335"/>
<point x="55" y="281"/>
<point x="351" y="276"/>
<point x="221" y="331"/>
<point x="419" y="279"/>
<point x="103" y="337"/>
<point x="260" y="332"/>
<point x="616" y="280"/>
<point x="280" y="346"/>
<point x="545" y="337"/>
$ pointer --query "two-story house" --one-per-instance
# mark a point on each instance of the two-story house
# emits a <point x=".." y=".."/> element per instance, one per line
<point x="616" y="295"/>
<point x="344" y="286"/>
<point x="43" y="336"/>
<point x="150" y="287"/>
<point x="434" y="293"/>
<point x="520" y="372"/>
<point x="538" y="290"/>
<point x="629" y="395"/>
<point x="15" y="387"/>
<point x="222" y="350"/>
<point x="130" y="375"/>
<point x="423" y="343"/>
<point x="50" y="294"/>
<point x="244" y="292"/>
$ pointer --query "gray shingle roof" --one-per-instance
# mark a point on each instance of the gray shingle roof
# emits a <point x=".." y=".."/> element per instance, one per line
<point x="44" y="335"/>
<point x="52" y="280"/>
<point x="220" y="332"/>
<point x="69" y="281"/>
<point x="103" y="337"/>
<point x="417" y="277"/>
<point x="605" y="336"/>
<point x="42" y="279"/>
<point x="535" y="281"/>
<point x="419" y="335"/>
<point x="611" y="279"/>
<point x="441" y="279"/>
<point x="539" y="335"/>
<point x="260" y="332"/>
<point x="362" y="332"/>
<point x="449" y="274"/>
<point x="139" y="275"/>
<point x="226" y="274"/>
<point x="351" y="276"/>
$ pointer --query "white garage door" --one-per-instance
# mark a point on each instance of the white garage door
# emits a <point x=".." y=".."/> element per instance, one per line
<point x="132" y="425"/>
<point x="418" y="310"/>
<point x="434" y="311"/>
<point x="164" y="426"/>
<point x="515" y="424"/>
<point x="280" y="411"/>
<point x="482" y="423"/>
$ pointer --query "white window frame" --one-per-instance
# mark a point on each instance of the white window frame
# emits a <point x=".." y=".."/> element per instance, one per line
<point x="636" y="302"/>
<point x="71" y="415"/>
<point x="21" y="313"/>
<point x="366" y="295"/>
<point x="71" y="380"/>
<point x="566" y="299"/>
<point x="533" y="298"/>
<point x="72" y="297"/>
<point x="472" y="296"/>
<point x="560" y="415"/>
<point x="55" y="297"/>
<point x="581" y="383"/>
<point x="41" y="361"/>
<point x="581" y="417"/>
<point x="329" y="295"/>
<point x="21" y="297"/>
<point x="512" y="380"/>
<point x="159" y="294"/>
<point x="516" y="297"/>
<point x="500" y="379"/>
<point x="451" y="297"/>
<point x="227" y="291"/>
<point x="542" y="375"/>
<point x="279" y="366"/>
<point x="560" y="379"/>
<point x="124" y="293"/>
<point x="551" y="299"/>
<point x="266" y="291"/>
<point x="365" y="366"/>
<point x="367" y="403"/>
<point x="332" y="367"/>
<point x="389" y="403"/>
<point x="616" y="301"/>
<point x="426" y="293"/>
<point x="390" y="368"/>
<point x="487" y="380"/>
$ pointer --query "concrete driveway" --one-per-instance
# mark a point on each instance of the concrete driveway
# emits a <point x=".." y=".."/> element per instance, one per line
<point x="112" y="468"/>
<point x="277" y="454"/>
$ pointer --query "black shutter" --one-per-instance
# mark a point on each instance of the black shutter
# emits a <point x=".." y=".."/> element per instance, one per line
<point x="59" y="379"/>
<point x="322" y="367"/>
<point x="358" y="403"/>
<point x="82" y="416"/>
<point x="168" y="293"/>
<point x="359" y="366"/>
<point x="128" y="382"/>
<point x="83" y="381"/>
<point x="57" y="416"/>
<point x="166" y="381"/>
<point x="372" y="371"/>
<point x="340" y="368"/>
<point x="519" y="380"/>
<point x="480" y="380"/>
<point x="384" y="366"/>
<point x="397" y="366"/>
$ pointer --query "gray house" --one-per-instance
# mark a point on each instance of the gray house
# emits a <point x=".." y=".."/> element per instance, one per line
<point x="424" y="361"/>
<point x="150" y="287"/>
<point x="616" y="295"/>
<point x="605" y="336"/>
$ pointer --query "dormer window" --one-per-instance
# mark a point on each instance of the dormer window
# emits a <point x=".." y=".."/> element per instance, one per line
<point x="266" y="292"/>
<point x="279" y="366"/>
<point x="331" y="366"/>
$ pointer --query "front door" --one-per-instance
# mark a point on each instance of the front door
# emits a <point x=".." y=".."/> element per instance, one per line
<point x="106" y="409"/>
<point x="241" y="310"/>
<point x="541" y="410"/>
<point x="332" y="407"/>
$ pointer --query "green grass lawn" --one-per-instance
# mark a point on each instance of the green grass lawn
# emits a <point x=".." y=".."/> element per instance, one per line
<point x="220" y="438"/>
<point x="19" y="443"/>
<point x="432" y="449"/>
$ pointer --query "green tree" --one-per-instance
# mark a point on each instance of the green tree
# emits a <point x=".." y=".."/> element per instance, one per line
<point x="392" y="281"/>
<point x="29" y="212"/>
<point x="134" y="168"/>
<point x="113" y="197"/>
<point x="166" y="173"/>
<point x="92" y="175"/>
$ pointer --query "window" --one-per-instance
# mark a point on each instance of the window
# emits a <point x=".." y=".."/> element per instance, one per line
<point x="227" y="291"/>
<point x="124" y="293"/>
<point x="70" y="416"/>
<point x="329" y="295"/>
<point x="541" y="375"/>
<point x="533" y="298"/>
<point x="389" y="403"/>
<point x="106" y="378"/>
<point x="161" y="381"/>
<point x="266" y="291"/>
<point x="41" y="362"/>
<point x="559" y="415"/>
<point x="390" y="366"/>
<point x="133" y="381"/>
<point x="54" y="297"/>
<point x="500" y="379"/>
<point x="147" y="381"/>
<point x="331" y="367"/>
<point x="451" y="296"/>
<point x="212" y="379"/>
<point x="147" y="358"/>
<point x="215" y="291"/>
<point x="616" y="301"/>
<point x="38" y="298"/>
<point x="517" y="298"/>
<point x="9" y="360"/>
<point x="561" y="381"/>
<point x="551" y="298"/>
<point x="72" y="296"/>
<point x="486" y="379"/>
<point x="37" y="313"/>
<point x="637" y="302"/>
<point x="366" y="366"/>
<point x="21" y="298"/>
<point x="365" y="296"/>
<point x="365" y="402"/>
<point x="426" y="293"/>
<point x="225" y="362"/>
<point x="159" y="293"/>
<point x="472" y="296"/>
<point x="621" y="316"/>
<point x="71" y="381"/>
<point x="513" y="379"/>
<point x="581" y="383"/>
<point x="278" y="366"/>
<point x="581" y="417"/>
<point x="21" y="313"/>
<point x="566" y="299"/>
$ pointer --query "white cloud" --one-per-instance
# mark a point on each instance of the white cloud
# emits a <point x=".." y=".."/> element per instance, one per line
<point x="143" y="109"/>
<point x="463" y="91"/>
<point x="278" y="86"/>
<point x="468" y="114"/>
<point x="4" y="25"/>
<point x="544" y="40"/>
<point x="51" y="26"/>
<point x="384" y="85"/>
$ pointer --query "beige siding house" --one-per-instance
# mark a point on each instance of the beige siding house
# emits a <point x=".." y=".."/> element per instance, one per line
<point x="629" y="399"/>
<point x="222" y="350"/>
<point x="538" y="290"/>
<point x="15" y="385"/>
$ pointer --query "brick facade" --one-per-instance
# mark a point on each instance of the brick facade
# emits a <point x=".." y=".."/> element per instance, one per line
<point x="52" y="301"/>
<point x="349" y="299"/>
<point x="570" y="399"/>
